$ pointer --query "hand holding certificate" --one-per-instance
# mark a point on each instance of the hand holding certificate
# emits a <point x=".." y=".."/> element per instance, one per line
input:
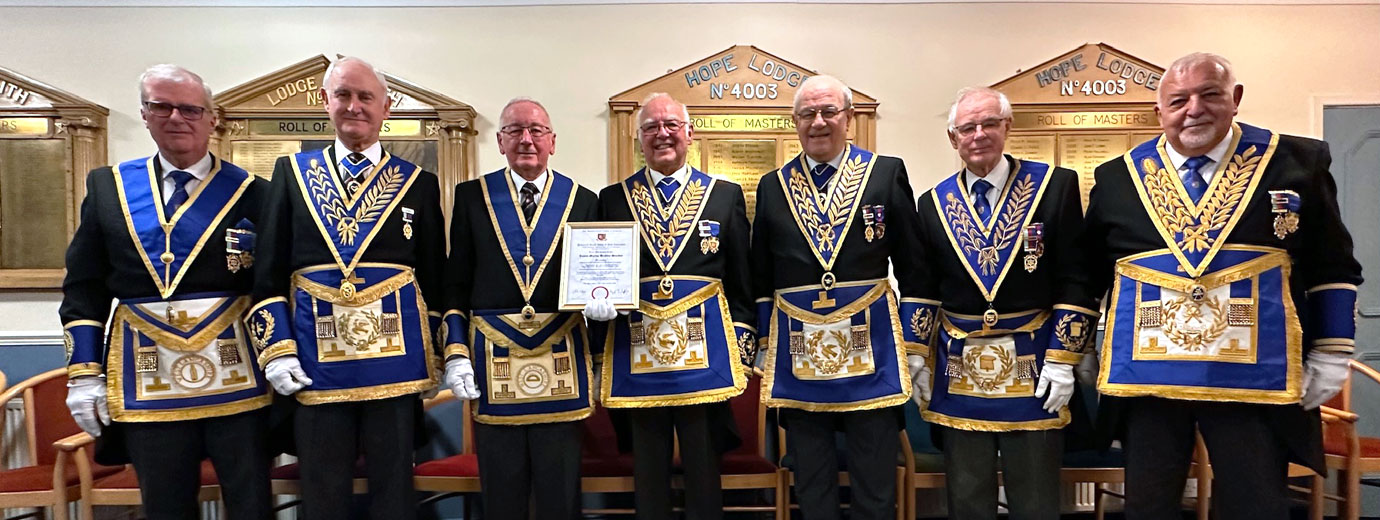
<point x="600" y="260"/>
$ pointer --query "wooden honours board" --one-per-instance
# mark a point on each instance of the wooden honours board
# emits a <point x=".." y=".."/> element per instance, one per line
<point x="740" y="104"/>
<point x="1082" y="108"/>
<point x="281" y="113"/>
<point x="49" y="140"/>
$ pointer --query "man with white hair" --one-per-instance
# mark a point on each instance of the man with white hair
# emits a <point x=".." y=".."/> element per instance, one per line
<point x="999" y="242"/>
<point x="671" y="365"/>
<point x="830" y="224"/>
<point x="351" y="256"/>
<point x="173" y="368"/>
<point x="502" y="292"/>
<point x="1233" y="288"/>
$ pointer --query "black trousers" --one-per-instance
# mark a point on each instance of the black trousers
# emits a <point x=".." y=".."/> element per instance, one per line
<point x="872" y="444"/>
<point x="652" y="431"/>
<point x="167" y="457"/>
<point x="1250" y="463"/>
<point x="330" y="438"/>
<point x="540" y="462"/>
<point x="1030" y="462"/>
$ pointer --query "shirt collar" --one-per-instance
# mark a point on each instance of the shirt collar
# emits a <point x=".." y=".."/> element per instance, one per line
<point x="679" y="175"/>
<point x="997" y="177"/>
<point x="374" y="152"/>
<point x="835" y="162"/>
<point x="1216" y="153"/>
<point x="518" y="181"/>
<point x="199" y="170"/>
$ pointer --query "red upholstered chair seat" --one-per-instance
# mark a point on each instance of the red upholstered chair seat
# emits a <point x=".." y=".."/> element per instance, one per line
<point x="735" y="463"/>
<point x="1336" y="445"/>
<point x="463" y="465"/>
<point x="127" y="479"/>
<point x="620" y="465"/>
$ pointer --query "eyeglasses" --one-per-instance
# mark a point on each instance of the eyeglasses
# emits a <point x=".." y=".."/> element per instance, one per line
<point x="515" y="131"/>
<point x="829" y="112"/>
<point x="189" y="112"/>
<point x="671" y="125"/>
<point x="970" y="128"/>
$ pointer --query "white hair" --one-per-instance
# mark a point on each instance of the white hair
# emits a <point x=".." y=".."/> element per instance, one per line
<point x="175" y="73"/>
<point x="330" y="70"/>
<point x="979" y="91"/>
<point x="828" y="81"/>
<point x="518" y="100"/>
<point x="1199" y="58"/>
<point x="684" y="111"/>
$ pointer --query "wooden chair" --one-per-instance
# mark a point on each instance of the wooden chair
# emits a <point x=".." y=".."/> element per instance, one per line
<point x="50" y="480"/>
<point x="603" y="469"/>
<point x="1345" y="450"/>
<point x="905" y="467"/>
<point x="122" y="487"/>
<point x="748" y="466"/>
<point x="454" y="475"/>
<point x="1202" y="470"/>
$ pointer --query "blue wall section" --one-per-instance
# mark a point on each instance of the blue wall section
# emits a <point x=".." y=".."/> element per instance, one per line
<point x="22" y="362"/>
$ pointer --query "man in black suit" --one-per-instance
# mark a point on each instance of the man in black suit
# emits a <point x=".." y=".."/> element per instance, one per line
<point x="671" y="365"/>
<point x="171" y="238"/>
<point x="502" y="283"/>
<point x="1233" y="288"/>
<point x="999" y="237"/>
<point x="353" y="236"/>
<point x="830" y="223"/>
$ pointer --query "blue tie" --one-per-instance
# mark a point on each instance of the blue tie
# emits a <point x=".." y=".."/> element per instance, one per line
<point x="821" y="174"/>
<point x="355" y="165"/>
<point x="980" y="203"/>
<point x="179" y="194"/>
<point x="1193" y="181"/>
<point x="667" y="186"/>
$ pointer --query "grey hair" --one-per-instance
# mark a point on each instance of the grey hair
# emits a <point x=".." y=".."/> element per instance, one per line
<point x="521" y="99"/>
<point x="1199" y="58"/>
<point x="176" y="73"/>
<point x="684" y="111"/>
<point x="827" y="80"/>
<point x="330" y="69"/>
<point x="974" y="91"/>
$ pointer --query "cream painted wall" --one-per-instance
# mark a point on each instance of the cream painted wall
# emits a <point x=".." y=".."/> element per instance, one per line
<point x="910" y="57"/>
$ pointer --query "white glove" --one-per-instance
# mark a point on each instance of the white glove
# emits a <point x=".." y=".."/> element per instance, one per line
<point x="459" y="379"/>
<point x="600" y="310"/>
<point x="596" y="383"/>
<point x="286" y="375"/>
<point x="1323" y="376"/>
<point x="86" y="400"/>
<point x="920" y="379"/>
<point x="1057" y="379"/>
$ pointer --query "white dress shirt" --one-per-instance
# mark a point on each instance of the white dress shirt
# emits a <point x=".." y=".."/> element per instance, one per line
<point x="1215" y="156"/>
<point x="836" y="162"/>
<point x="997" y="177"/>
<point x="199" y="172"/>
<point x="681" y="176"/>
<point x="374" y="153"/>
<point x="518" y="181"/>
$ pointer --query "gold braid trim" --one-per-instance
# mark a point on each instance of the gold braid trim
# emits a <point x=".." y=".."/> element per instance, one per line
<point x="282" y="348"/>
<point x="494" y="336"/>
<point x="1242" y="271"/>
<point x="1066" y="357"/>
<point x="960" y="423"/>
<point x="366" y="393"/>
<point x="120" y="414"/>
<point x="374" y="293"/>
<point x="956" y="333"/>
<point x="659" y="312"/>
<point x="172" y="341"/>
<point x="84" y="369"/>
<point x="877" y="291"/>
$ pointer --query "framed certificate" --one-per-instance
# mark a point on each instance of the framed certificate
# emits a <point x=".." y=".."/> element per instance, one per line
<point x="600" y="260"/>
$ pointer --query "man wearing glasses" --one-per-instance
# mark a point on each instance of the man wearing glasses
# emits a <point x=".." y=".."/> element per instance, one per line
<point x="674" y="362"/>
<point x="353" y="237"/>
<point x="502" y="284"/>
<point x="999" y="242"/>
<point x="178" y="378"/>
<point x="829" y="224"/>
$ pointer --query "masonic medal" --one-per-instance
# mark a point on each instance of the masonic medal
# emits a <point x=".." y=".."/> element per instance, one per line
<point x="1285" y="205"/>
<point x="709" y="237"/>
<point x="347" y="289"/>
<point x="989" y="318"/>
<point x="868" y="220"/>
<point x="407" y="222"/>
<point x="879" y="216"/>
<point x="1034" y="245"/>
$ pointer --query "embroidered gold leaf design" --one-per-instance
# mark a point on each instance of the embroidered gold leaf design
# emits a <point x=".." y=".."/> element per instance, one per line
<point x="263" y="329"/>
<point x="654" y="218"/>
<point x="668" y="349"/>
<point x="829" y="357"/>
<point x="1184" y="322"/>
<point x="1196" y="234"/>
<point x="968" y="237"/>
<point x="972" y="359"/>
<point x="922" y="324"/>
<point x="840" y="203"/>
<point x="1008" y="226"/>
<point x="1072" y="332"/>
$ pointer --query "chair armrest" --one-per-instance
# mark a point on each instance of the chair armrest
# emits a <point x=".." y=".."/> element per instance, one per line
<point x="1365" y="370"/>
<point x="74" y="442"/>
<point x="1330" y="414"/>
<point x="758" y="372"/>
<point x="442" y="397"/>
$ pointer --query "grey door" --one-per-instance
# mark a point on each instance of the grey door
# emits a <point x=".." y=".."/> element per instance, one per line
<point x="1353" y="133"/>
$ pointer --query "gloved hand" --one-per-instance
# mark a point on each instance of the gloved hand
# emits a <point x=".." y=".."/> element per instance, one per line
<point x="600" y="310"/>
<point x="86" y="400"/>
<point x="920" y="379"/>
<point x="286" y="375"/>
<point x="460" y="378"/>
<point x="1057" y="380"/>
<point x="596" y="383"/>
<point x="1323" y="376"/>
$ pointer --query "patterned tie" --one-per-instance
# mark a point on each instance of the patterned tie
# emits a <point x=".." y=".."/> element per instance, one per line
<point x="529" y="200"/>
<point x="179" y="194"/>
<point x="980" y="203"/>
<point x="1193" y="181"/>
<point x="821" y="174"/>
<point x="667" y="186"/>
<point x="356" y="165"/>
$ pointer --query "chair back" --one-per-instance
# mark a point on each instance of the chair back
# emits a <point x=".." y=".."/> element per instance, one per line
<point x="46" y="418"/>
<point x="750" y="415"/>
<point x="601" y="440"/>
